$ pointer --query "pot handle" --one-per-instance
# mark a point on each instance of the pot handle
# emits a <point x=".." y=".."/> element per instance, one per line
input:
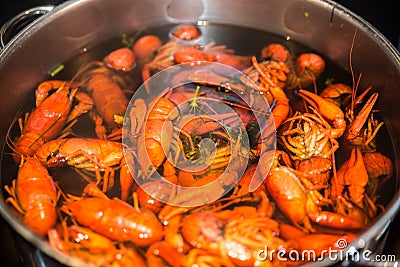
<point x="20" y="21"/>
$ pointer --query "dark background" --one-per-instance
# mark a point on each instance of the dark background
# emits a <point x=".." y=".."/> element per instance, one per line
<point x="9" y="9"/>
<point x="381" y="14"/>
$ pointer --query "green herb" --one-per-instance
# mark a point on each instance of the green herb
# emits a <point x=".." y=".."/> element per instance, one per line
<point x="329" y="82"/>
<point x="128" y="41"/>
<point x="56" y="70"/>
<point x="193" y="105"/>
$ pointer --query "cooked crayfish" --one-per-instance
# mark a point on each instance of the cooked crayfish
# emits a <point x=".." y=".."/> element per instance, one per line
<point x="338" y="93"/>
<point x="187" y="32"/>
<point x="167" y="135"/>
<point x="222" y="199"/>
<point x="106" y="89"/>
<point x="300" y="202"/>
<point x="379" y="169"/>
<point x="300" y="71"/>
<point x="121" y="59"/>
<point x="231" y="237"/>
<point x="34" y="195"/>
<point x="164" y="254"/>
<point x="211" y="53"/>
<point x="89" y="154"/>
<point x="150" y="193"/>
<point x="349" y="189"/>
<point x="319" y="243"/>
<point x="162" y="60"/>
<point x="235" y="235"/>
<point x="330" y="112"/>
<point x="145" y="49"/>
<point x="357" y="132"/>
<point x="363" y="127"/>
<point x="52" y="117"/>
<point x="308" y="67"/>
<point x="93" y="248"/>
<point x="156" y="136"/>
<point x="311" y="142"/>
<point x="270" y="77"/>
<point x="172" y="53"/>
<point x="114" y="218"/>
<point x="277" y="52"/>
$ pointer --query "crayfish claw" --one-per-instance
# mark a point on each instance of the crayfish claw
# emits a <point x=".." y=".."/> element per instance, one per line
<point x="331" y="112"/>
<point x="356" y="126"/>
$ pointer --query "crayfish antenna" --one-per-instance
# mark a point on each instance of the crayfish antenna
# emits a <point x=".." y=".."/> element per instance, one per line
<point x="360" y="98"/>
<point x="10" y="143"/>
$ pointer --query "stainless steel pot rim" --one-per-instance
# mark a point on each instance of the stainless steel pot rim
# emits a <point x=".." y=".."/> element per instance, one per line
<point x="383" y="219"/>
<point x="28" y="16"/>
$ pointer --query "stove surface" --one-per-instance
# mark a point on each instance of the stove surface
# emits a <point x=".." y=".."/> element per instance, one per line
<point x="381" y="14"/>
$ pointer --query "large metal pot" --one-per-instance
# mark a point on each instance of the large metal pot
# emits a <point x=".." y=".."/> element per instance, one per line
<point x="322" y="25"/>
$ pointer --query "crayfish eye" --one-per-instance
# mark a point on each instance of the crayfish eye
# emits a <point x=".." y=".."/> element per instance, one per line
<point x="55" y="159"/>
<point x="54" y="162"/>
<point x="52" y="154"/>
